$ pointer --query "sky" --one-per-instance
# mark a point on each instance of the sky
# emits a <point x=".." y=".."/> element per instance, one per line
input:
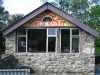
<point x="21" y="6"/>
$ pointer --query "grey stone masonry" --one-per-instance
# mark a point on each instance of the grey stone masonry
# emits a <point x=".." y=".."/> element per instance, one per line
<point x="58" y="63"/>
<point x="88" y="43"/>
<point x="10" y="43"/>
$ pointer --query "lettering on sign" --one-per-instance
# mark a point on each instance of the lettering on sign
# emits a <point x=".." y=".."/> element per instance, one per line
<point x="56" y="21"/>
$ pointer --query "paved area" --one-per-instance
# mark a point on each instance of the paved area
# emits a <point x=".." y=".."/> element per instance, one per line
<point x="97" y="69"/>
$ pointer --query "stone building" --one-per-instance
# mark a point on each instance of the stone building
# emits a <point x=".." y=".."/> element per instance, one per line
<point x="50" y="40"/>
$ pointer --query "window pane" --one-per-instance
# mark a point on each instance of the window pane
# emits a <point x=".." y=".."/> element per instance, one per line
<point x="21" y="31"/>
<point x="51" y="31"/>
<point x="51" y="44"/>
<point x="65" y="40"/>
<point x="47" y="19"/>
<point x="37" y="40"/>
<point x="75" y="32"/>
<point x="21" y="44"/>
<point x="75" y="45"/>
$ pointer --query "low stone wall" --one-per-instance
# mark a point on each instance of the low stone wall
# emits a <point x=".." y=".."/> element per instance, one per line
<point x="59" y="63"/>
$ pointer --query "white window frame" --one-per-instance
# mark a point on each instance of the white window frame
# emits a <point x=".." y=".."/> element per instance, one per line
<point x="75" y="36"/>
<point x="71" y="36"/>
<point x="51" y="36"/>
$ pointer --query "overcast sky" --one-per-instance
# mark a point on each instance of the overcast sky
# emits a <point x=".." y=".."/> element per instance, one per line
<point x="21" y="6"/>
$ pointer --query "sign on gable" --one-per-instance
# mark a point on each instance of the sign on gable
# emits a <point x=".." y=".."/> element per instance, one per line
<point x="56" y="20"/>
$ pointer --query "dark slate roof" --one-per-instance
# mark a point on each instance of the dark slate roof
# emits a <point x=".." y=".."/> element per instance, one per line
<point x="48" y="6"/>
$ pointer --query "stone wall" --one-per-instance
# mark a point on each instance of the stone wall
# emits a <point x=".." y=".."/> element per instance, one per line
<point x="83" y="62"/>
<point x="59" y="63"/>
<point x="88" y="43"/>
<point x="10" y="43"/>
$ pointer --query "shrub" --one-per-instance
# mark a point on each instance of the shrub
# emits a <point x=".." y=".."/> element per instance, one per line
<point x="27" y="67"/>
<point x="2" y="44"/>
<point x="97" y="46"/>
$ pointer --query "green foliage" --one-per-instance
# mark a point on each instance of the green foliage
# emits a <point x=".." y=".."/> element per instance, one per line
<point x="94" y="22"/>
<point x="77" y="8"/>
<point x="3" y="17"/>
<point x="14" y="18"/>
<point x="27" y="67"/>
<point x="94" y="17"/>
<point x="6" y="19"/>
<point x="2" y="47"/>
<point x="97" y="46"/>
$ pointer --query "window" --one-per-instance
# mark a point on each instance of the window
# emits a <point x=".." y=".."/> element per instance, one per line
<point x="21" y="40"/>
<point x="46" y="40"/>
<point x="22" y="32"/>
<point x="51" y="44"/>
<point x="36" y="40"/>
<point x="52" y="32"/>
<point x="69" y="40"/>
<point x="47" y="19"/>
<point x="75" y="40"/>
<point x="65" y="40"/>
<point x="51" y="39"/>
<point x="21" y="44"/>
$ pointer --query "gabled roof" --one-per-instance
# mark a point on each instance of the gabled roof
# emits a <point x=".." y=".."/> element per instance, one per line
<point x="48" y="6"/>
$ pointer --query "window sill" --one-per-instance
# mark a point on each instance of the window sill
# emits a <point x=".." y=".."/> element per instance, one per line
<point x="44" y="53"/>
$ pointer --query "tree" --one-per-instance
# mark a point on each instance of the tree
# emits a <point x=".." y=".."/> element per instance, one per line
<point x="76" y="8"/>
<point x="94" y="17"/>
<point x="3" y="17"/>
<point x="1" y="2"/>
<point x="14" y="18"/>
<point x="3" y="20"/>
<point x="94" y="22"/>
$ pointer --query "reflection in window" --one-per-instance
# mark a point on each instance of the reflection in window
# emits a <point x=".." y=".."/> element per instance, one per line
<point x="21" y="31"/>
<point x="65" y="40"/>
<point x="69" y="41"/>
<point x="51" y="31"/>
<point x="37" y="40"/>
<point x="75" y="31"/>
<point x="47" y="19"/>
<point x="21" y="44"/>
<point x="75" y="40"/>
<point x="51" y="44"/>
<point x="75" y="45"/>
